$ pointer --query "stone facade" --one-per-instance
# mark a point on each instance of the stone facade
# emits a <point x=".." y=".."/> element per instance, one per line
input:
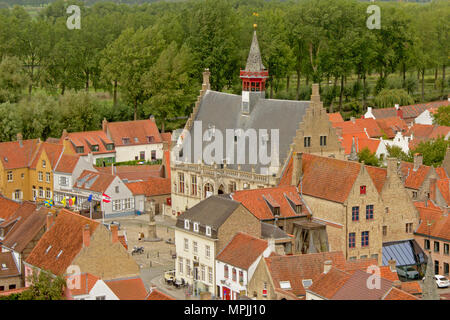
<point x="105" y="259"/>
<point x="260" y="281"/>
<point x="10" y="283"/>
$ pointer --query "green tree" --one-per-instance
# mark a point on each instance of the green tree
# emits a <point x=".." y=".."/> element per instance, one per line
<point x="442" y="116"/>
<point x="387" y="98"/>
<point x="9" y="121"/>
<point x="397" y="152"/>
<point x="368" y="157"/>
<point x="433" y="151"/>
<point x="13" y="80"/>
<point x="44" y="286"/>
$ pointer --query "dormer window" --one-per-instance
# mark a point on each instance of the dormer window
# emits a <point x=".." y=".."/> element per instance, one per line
<point x="126" y="140"/>
<point x="4" y="267"/>
<point x="109" y="146"/>
<point x="286" y="285"/>
<point x="195" y="226"/>
<point x="298" y="208"/>
<point x="208" y="231"/>
<point x="80" y="149"/>
<point x="186" y="224"/>
<point x="94" y="147"/>
<point x="210" y="132"/>
<point x="276" y="211"/>
<point x="136" y="139"/>
<point x="150" y="139"/>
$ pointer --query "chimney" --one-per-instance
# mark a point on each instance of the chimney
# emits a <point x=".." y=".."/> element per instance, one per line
<point x="418" y="161"/>
<point x="391" y="166"/>
<point x="433" y="189"/>
<point x="104" y="124"/>
<point x="64" y="134"/>
<point x="392" y="263"/>
<point x="397" y="106"/>
<point x="352" y="119"/>
<point x="296" y="168"/>
<point x="399" y="112"/>
<point x="327" y="266"/>
<point x="271" y="244"/>
<point x="49" y="220"/>
<point x="90" y="158"/>
<point x="20" y="139"/>
<point x="114" y="233"/>
<point x="206" y="85"/>
<point x="397" y="284"/>
<point x="86" y="236"/>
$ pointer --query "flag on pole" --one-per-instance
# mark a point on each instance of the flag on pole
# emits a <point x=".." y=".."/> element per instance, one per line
<point x="63" y="201"/>
<point x="106" y="198"/>
<point x="70" y="202"/>
<point x="74" y="200"/>
<point x="90" y="198"/>
<point x="48" y="203"/>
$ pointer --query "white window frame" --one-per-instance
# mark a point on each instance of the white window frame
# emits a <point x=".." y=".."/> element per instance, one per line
<point x="9" y="176"/>
<point x="208" y="231"/>
<point x="48" y="177"/>
<point x="186" y="224"/>
<point x="196" y="228"/>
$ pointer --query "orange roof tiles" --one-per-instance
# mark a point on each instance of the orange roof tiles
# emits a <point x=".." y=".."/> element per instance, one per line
<point x="158" y="295"/>
<point x="397" y="294"/>
<point x="440" y="224"/>
<point x="368" y="126"/>
<point x="98" y="137"/>
<point x="242" y="251"/>
<point x="361" y="142"/>
<point x="327" y="284"/>
<point x="64" y="238"/>
<point x="13" y="155"/>
<point x="7" y="207"/>
<point x="53" y="152"/>
<point x="87" y="282"/>
<point x="335" y="117"/>
<point x="67" y="163"/>
<point x="390" y="126"/>
<point x="295" y="268"/>
<point x="152" y="187"/>
<point x="140" y="129"/>
<point x="10" y="270"/>
<point x="444" y="188"/>
<point x="410" y="111"/>
<point x="255" y="201"/>
<point x="414" y="179"/>
<point x="128" y="289"/>
<point x="94" y="181"/>
<point x="386" y="273"/>
<point x="411" y="287"/>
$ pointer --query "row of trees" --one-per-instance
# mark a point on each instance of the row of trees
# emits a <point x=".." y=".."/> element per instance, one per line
<point x="151" y="56"/>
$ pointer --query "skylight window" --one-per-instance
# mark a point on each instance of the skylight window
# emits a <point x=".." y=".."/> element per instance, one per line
<point x="48" y="249"/>
<point x="4" y="267"/>
<point x="307" y="283"/>
<point x="285" y="285"/>
<point x="60" y="252"/>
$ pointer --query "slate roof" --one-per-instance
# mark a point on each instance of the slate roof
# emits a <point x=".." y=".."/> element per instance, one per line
<point x="152" y="187"/>
<point x="254" y="61"/>
<point x="223" y="111"/>
<point x="242" y="251"/>
<point x="213" y="211"/>
<point x="64" y="238"/>
<point x="269" y="230"/>
<point x="258" y="201"/>
<point x="139" y="129"/>
<point x="128" y="288"/>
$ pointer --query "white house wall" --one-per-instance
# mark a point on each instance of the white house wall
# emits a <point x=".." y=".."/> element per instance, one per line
<point x="129" y="153"/>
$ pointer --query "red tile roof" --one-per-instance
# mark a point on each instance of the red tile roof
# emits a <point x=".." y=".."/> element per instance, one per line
<point x="361" y="142"/>
<point x="67" y="163"/>
<point x="14" y="156"/>
<point x="410" y="111"/>
<point x="295" y="268"/>
<point x="123" y="241"/>
<point x="386" y="273"/>
<point x="390" y="126"/>
<point x="53" y="152"/>
<point x="94" y="181"/>
<point x="242" y="251"/>
<point x="167" y="137"/>
<point x="83" y="139"/>
<point x="441" y="173"/>
<point x="411" y="287"/>
<point x="327" y="284"/>
<point x="158" y="295"/>
<point x="152" y="187"/>
<point x="140" y="129"/>
<point x="87" y="282"/>
<point x="8" y="267"/>
<point x="134" y="173"/>
<point x="397" y="294"/>
<point x="256" y="201"/>
<point x="128" y="289"/>
<point x="413" y="179"/>
<point x="444" y="188"/>
<point x="440" y="224"/>
<point x="64" y="236"/>
<point x="335" y="117"/>
<point x="370" y="126"/>
<point x="7" y="207"/>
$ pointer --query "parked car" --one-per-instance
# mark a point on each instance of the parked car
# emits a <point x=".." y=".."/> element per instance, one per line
<point x="408" y="272"/>
<point x="441" y="281"/>
<point x="169" y="276"/>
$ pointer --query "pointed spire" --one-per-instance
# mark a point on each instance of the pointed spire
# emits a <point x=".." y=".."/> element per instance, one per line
<point x="254" y="61"/>
<point x="353" y="154"/>
<point x="429" y="284"/>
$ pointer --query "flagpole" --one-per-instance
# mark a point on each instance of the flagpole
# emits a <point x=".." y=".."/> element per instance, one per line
<point x="90" y="209"/>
